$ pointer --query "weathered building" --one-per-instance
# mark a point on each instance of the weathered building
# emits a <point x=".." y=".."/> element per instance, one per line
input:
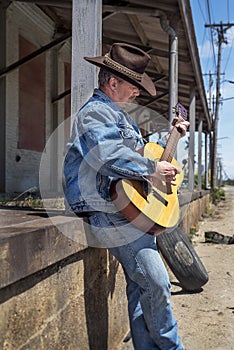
<point x="56" y="292"/>
<point x="38" y="41"/>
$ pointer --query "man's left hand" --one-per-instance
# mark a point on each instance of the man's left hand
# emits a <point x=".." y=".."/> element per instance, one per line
<point x="181" y="125"/>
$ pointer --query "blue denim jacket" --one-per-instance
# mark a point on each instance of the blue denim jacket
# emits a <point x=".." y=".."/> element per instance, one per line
<point x="102" y="148"/>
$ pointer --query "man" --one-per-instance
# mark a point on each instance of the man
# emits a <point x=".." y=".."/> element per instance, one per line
<point x="103" y="148"/>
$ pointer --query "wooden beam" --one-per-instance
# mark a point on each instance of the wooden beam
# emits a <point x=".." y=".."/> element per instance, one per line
<point x="4" y="71"/>
<point x="145" y="41"/>
<point x="138" y="29"/>
<point x="163" y="6"/>
<point x="63" y="4"/>
<point x="60" y="96"/>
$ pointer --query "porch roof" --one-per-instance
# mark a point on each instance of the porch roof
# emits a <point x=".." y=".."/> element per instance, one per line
<point x="140" y="23"/>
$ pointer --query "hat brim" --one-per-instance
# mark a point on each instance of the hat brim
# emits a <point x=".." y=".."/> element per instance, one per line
<point x="146" y="83"/>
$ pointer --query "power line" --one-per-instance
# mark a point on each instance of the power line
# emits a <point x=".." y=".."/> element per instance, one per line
<point x="202" y="45"/>
<point x="229" y="55"/>
<point x="199" y="4"/>
<point x="211" y="36"/>
<point x="228" y="10"/>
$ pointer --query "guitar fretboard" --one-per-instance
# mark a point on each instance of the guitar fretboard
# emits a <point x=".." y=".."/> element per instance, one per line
<point x="170" y="148"/>
<point x="174" y="137"/>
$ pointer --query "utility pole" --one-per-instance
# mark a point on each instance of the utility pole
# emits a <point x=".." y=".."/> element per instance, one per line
<point x="221" y="29"/>
<point x="211" y="98"/>
<point x="210" y="91"/>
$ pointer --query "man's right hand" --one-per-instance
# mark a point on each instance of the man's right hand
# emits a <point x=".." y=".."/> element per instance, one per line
<point x="165" y="171"/>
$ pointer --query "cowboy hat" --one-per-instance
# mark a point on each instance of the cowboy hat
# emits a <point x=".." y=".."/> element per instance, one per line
<point x="129" y="63"/>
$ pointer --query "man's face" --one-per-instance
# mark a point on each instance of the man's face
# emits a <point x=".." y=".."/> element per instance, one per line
<point x="126" y="92"/>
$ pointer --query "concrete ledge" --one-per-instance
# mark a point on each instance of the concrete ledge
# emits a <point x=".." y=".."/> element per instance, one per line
<point x="33" y="243"/>
<point x="193" y="209"/>
<point x="31" y="246"/>
<point x="188" y="197"/>
<point x="55" y="292"/>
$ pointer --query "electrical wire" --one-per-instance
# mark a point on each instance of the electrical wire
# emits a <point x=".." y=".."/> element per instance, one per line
<point x="228" y="11"/>
<point x="208" y="61"/>
<point x="211" y="34"/>
<point x="210" y="38"/>
<point x="231" y="47"/>
<point x="202" y="46"/>
<point x="199" y="4"/>
<point x="229" y="55"/>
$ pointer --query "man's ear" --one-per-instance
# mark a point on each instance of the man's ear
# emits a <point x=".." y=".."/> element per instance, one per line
<point x="113" y="82"/>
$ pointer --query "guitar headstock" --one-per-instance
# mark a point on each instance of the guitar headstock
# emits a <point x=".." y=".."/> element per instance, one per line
<point x="180" y="111"/>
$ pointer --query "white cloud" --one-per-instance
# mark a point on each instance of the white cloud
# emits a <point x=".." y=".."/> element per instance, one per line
<point x="230" y="36"/>
<point x="229" y="167"/>
<point x="206" y="50"/>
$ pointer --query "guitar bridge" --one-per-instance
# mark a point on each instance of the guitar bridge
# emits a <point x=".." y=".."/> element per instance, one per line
<point x="159" y="197"/>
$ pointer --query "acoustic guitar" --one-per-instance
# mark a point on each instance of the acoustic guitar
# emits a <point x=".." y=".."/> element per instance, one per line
<point x="157" y="208"/>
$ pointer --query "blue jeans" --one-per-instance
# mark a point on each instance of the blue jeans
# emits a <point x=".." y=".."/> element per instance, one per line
<point x="153" y="326"/>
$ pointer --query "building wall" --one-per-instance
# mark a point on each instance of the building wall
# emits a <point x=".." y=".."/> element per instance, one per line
<point x="56" y="293"/>
<point x="193" y="208"/>
<point x="26" y="21"/>
<point x="80" y="306"/>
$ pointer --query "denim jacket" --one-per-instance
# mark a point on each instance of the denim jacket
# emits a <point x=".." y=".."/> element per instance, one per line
<point x="102" y="148"/>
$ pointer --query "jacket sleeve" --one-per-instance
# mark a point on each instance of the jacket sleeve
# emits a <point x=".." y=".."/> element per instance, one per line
<point x="103" y="147"/>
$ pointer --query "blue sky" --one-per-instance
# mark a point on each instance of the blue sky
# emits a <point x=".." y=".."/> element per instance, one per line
<point x="215" y="11"/>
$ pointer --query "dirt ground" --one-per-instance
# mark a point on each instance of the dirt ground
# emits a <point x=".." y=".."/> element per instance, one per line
<point x="206" y="318"/>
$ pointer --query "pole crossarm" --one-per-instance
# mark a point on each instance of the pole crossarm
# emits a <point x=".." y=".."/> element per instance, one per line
<point x="228" y="25"/>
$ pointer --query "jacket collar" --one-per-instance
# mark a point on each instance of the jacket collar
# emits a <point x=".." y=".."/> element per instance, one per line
<point x="106" y="99"/>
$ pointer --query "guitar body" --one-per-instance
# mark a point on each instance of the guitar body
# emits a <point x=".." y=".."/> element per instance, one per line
<point x="157" y="210"/>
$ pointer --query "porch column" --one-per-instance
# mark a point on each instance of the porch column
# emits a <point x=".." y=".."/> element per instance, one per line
<point x="173" y="74"/>
<point x="192" y="108"/>
<point x="3" y="9"/>
<point x="86" y="41"/>
<point x="200" y="153"/>
<point x="54" y="123"/>
<point x="206" y="162"/>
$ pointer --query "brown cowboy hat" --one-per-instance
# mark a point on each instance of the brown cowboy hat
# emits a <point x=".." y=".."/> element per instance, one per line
<point x="129" y="63"/>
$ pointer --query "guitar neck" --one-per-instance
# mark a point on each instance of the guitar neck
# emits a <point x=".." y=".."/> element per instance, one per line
<point x="174" y="137"/>
<point x="171" y="145"/>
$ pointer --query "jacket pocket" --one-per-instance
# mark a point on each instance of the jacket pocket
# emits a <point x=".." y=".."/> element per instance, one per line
<point x="127" y="131"/>
<point x="128" y="135"/>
